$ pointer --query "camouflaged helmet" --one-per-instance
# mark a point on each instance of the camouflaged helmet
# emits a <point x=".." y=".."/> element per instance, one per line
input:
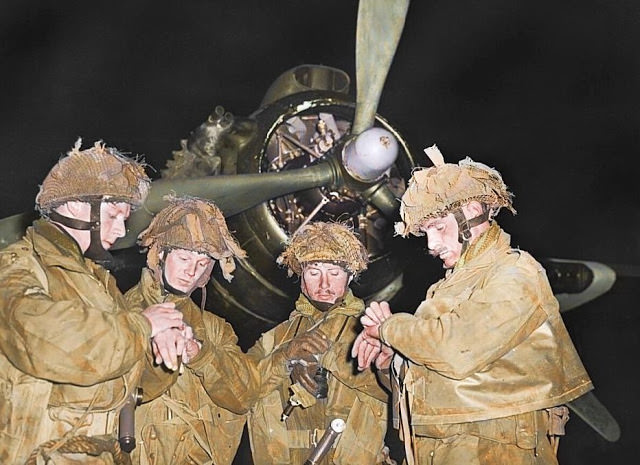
<point x="444" y="188"/>
<point x="324" y="242"/>
<point x="192" y="224"/>
<point x="95" y="173"/>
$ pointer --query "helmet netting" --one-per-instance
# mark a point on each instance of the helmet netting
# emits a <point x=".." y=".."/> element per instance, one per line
<point x="324" y="242"/>
<point x="96" y="173"/>
<point x="192" y="224"/>
<point x="438" y="190"/>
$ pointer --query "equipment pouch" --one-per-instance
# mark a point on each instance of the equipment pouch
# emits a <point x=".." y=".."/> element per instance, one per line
<point x="363" y="437"/>
<point x="268" y="435"/>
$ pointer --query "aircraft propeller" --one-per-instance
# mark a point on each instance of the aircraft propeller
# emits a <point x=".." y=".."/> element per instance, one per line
<point x="359" y="162"/>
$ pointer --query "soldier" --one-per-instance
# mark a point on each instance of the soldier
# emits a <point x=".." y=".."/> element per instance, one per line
<point x="482" y="368"/>
<point x="286" y="424"/>
<point x="70" y="351"/>
<point x="194" y="414"/>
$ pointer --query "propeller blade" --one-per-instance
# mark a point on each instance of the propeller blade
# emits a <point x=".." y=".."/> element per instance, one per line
<point x="12" y="227"/>
<point x="231" y="193"/>
<point x="380" y="24"/>
<point x="383" y="199"/>
<point x="576" y="282"/>
<point x="596" y="415"/>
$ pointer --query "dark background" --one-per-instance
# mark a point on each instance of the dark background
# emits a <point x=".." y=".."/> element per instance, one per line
<point x="546" y="91"/>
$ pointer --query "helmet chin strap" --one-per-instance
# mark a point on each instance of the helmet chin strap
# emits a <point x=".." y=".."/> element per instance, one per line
<point x="465" y="225"/>
<point x="95" y="251"/>
<point x="165" y="282"/>
<point x="172" y="290"/>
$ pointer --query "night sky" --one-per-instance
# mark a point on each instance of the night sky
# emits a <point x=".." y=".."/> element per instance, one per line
<point x="547" y="92"/>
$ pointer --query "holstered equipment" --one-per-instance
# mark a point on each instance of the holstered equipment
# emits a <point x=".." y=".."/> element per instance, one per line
<point x="126" y="422"/>
<point x="334" y="429"/>
<point x="558" y="418"/>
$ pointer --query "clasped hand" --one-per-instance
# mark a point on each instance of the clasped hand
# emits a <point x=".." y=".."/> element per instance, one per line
<point x="170" y="336"/>
<point x="368" y="348"/>
<point x="302" y="354"/>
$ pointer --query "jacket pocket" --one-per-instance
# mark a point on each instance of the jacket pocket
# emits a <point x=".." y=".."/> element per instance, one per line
<point x="21" y="410"/>
<point x="363" y="437"/>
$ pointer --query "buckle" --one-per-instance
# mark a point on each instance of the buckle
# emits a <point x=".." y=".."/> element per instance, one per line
<point x="313" y="437"/>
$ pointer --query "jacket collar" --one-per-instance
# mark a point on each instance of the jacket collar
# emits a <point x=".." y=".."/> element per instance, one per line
<point x="483" y="251"/>
<point x="55" y="247"/>
<point x="152" y="290"/>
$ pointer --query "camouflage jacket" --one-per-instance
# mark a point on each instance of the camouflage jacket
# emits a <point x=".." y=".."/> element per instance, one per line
<point x="197" y="415"/>
<point x="488" y="342"/>
<point x="69" y="351"/>
<point x="354" y="397"/>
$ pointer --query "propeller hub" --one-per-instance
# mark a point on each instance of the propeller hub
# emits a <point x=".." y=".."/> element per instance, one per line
<point x="368" y="157"/>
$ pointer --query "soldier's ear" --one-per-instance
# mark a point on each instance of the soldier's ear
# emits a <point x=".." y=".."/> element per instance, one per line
<point x="474" y="209"/>
<point x="76" y="208"/>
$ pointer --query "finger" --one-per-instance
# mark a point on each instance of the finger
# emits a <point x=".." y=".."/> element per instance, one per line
<point x="169" y="355"/>
<point x="362" y="355"/>
<point x="366" y="320"/>
<point x="360" y="343"/>
<point x="319" y="339"/>
<point x="356" y="345"/>
<point x="165" y="305"/>
<point x="366" y="355"/>
<point x="370" y="315"/>
<point x="314" y="345"/>
<point x="318" y="333"/>
<point x="307" y="382"/>
<point x="371" y="354"/>
<point x="163" y="356"/>
<point x="192" y="349"/>
<point x="374" y="312"/>
<point x="173" y="354"/>
<point x="156" y="353"/>
<point x="385" y="309"/>
<point x="180" y="345"/>
<point x="163" y="321"/>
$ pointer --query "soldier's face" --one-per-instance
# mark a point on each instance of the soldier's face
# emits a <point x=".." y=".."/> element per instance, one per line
<point x="112" y="222"/>
<point x="183" y="269"/>
<point x="442" y="239"/>
<point x="112" y="218"/>
<point x="324" y="282"/>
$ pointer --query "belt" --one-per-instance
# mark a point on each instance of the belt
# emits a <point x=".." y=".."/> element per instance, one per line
<point x="305" y="438"/>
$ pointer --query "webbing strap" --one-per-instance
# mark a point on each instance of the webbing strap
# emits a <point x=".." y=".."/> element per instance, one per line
<point x="305" y="438"/>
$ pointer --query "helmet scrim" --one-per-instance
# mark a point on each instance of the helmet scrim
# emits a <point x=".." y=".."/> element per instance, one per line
<point x="439" y="190"/>
<point x="192" y="224"/>
<point x="324" y="242"/>
<point x="94" y="174"/>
